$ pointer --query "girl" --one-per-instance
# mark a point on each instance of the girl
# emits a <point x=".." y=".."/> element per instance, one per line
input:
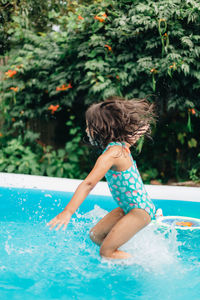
<point x="114" y="126"/>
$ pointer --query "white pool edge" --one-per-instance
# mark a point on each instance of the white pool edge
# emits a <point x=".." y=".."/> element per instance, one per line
<point x="164" y="192"/>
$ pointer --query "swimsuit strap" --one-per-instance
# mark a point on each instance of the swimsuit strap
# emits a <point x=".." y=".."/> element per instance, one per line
<point x="123" y="144"/>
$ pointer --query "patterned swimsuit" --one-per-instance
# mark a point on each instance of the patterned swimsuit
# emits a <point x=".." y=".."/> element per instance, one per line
<point x="127" y="187"/>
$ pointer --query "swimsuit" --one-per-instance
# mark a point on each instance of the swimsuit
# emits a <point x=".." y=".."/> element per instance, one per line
<point x="127" y="187"/>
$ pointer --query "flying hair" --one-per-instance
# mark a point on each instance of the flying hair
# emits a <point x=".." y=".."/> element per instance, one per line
<point x="119" y="120"/>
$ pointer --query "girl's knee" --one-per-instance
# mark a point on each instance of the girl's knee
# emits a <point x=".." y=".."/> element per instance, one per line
<point x="91" y="234"/>
<point x="97" y="238"/>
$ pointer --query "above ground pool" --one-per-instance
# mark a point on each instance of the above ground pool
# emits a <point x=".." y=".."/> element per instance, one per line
<point x="36" y="263"/>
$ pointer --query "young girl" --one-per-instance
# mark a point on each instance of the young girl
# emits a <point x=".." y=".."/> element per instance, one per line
<point x="114" y="126"/>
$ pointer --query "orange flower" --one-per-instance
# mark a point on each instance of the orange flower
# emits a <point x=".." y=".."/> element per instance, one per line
<point x="53" y="108"/>
<point x="99" y="19"/>
<point x="63" y="87"/>
<point x="80" y="18"/>
<point x="117" y="77"/>
<point x="173" y="65"/>
<point x="162" y="20"/>
<point x="109" y="48"/>
<point x="1" y="134"/>
<point x="15" y="89"/>
<point x="153" y="70"/>
<point x="165" y="34"/>
<point x="10" y="73"/>
<point x="13" y="119"/>
<point x="192" y="110"/>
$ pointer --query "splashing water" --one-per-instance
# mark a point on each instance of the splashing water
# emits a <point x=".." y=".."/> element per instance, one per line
<point x="36" y="262"/>
<point x="150" y="248"/>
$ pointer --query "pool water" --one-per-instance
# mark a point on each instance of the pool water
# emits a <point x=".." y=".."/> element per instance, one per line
<point x="36" y="263"/>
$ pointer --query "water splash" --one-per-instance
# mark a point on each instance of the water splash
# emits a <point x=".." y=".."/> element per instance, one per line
<point x="53" y="261"/>
<point x="152" y="249"/>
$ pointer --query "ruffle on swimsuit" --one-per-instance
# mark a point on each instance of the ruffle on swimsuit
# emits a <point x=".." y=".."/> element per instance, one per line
<point x="127" y="187"/>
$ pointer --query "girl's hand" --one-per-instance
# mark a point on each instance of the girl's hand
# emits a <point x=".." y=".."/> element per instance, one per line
<point x="61" y="219"/>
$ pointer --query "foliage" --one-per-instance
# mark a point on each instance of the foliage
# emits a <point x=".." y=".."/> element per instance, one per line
<point x="28" y="155"/>
<point x="17" y="158"/>
<point x="195" y="171"/>
<point x="34" y="15"/>
<point x="126" y="48"/>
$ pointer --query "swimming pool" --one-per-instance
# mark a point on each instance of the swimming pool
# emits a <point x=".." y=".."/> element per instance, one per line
<point x="36" y="263"/>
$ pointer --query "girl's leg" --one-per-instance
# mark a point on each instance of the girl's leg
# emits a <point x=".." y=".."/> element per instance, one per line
<point x="124" y="229"/>
<point x="102" y="228"/>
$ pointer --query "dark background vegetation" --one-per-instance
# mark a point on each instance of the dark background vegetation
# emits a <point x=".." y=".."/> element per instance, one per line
<point x="58" y="57"/>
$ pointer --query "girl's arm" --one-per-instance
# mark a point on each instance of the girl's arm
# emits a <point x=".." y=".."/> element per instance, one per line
<point x="103" y="164"/>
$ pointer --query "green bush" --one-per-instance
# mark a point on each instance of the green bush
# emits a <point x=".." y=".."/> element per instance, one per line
<point x="27" y="155"/>
<point x="126" y="48"/>
<point x="15" y="157"/>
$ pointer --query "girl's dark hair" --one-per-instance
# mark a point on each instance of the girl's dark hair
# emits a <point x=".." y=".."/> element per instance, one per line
<point x="117" y="120"/>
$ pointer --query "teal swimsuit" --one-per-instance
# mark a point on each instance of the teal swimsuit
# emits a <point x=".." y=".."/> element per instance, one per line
<point x="127" y="187"/>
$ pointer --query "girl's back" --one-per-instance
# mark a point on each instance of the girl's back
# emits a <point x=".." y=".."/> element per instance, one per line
<point x="125" y="182"/>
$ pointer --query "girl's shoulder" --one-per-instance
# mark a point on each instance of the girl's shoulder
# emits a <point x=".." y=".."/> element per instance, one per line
<point x="120" y="156"/>
<point x="115" y="149"/>
<point x="112" y="146"/>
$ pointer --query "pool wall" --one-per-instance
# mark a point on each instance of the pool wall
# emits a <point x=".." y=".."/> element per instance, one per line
<point x="161" y="192"/>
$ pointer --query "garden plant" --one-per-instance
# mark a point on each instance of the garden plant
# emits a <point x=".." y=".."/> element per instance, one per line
<point x="58" y="59"/>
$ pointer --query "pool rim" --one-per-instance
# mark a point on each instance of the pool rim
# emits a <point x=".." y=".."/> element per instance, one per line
<point x="157" y="192"/>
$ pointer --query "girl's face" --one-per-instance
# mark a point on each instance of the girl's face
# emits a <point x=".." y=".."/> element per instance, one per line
<point x="87" y="129"/>
<point x="88" y="134"/>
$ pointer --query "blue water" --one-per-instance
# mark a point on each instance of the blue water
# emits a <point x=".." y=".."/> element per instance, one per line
<point x="36" y="263"/>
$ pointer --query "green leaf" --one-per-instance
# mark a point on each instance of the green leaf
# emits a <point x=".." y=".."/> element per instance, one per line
<point x="181" y="137"/>
<point x="189" y="124"/>
<point x="11" y="168"/>
<point x="192" y="143"/>
<point x="100" y="78"/>
<point x="140" y="143"/>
